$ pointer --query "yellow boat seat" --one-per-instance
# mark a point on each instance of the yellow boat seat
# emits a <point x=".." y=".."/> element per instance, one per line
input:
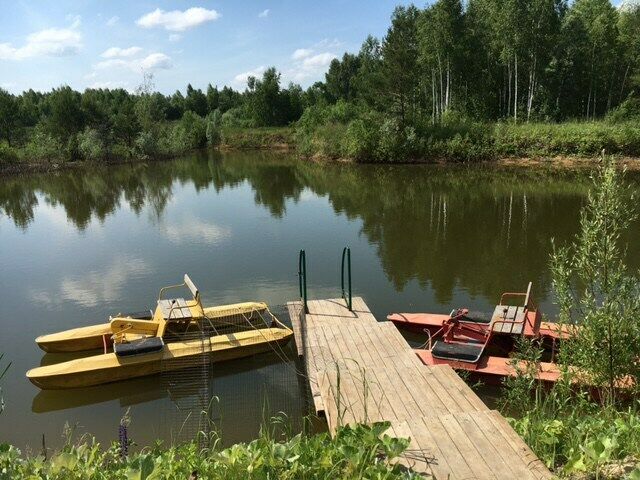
<point x="175" y="309"/>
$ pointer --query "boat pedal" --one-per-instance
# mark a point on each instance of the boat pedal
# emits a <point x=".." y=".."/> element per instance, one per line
<point x="462" y="352"/>
<point x="138" y="347"/>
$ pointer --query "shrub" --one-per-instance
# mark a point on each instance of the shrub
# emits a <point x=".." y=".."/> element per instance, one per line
<point x="90" y="145"/>
<point x="42" y="146"/>
<point x="629" y="110"/>
<point x="214" y="133"/>
<point x="146" y="144"/>
<point x="236" y="117"/>
<point x="122" y="151"/>
<point x="256" y="138"/>
<point x="391" y="145"/>
<point x="8" y="154"/>
<point x="361" y="138"/>
<point x="192" y="130"/>
<point x="355" y="452"/>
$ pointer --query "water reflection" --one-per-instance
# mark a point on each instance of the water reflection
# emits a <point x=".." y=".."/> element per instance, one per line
<point x="481" y="228"/>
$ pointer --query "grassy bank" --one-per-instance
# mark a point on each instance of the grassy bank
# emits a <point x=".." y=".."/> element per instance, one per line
<point x="265" y="138"/>
<point x="367" y="140"/>
<point x="354" y="453"/>
<point x="43" y="152"/>
<point x="341" y="132"/>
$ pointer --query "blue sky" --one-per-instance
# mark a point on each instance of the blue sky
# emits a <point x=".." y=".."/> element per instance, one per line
<point x="109" y="44"/>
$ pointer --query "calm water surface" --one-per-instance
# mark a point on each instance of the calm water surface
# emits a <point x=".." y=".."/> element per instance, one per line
<point x="77" y="246"/>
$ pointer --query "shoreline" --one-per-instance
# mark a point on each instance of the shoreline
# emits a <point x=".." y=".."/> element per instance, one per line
<point x="558" y="162"/>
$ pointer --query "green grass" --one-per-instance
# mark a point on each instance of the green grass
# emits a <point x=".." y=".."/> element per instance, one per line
<point x="372" y="138"/>
<point x="585" y="139"/>
<point x="257" y="138"/>
<point x="360" y="452"/>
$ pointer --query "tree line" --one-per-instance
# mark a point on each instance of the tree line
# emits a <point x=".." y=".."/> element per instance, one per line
<point x="493" y="59"/>
<point x="97" y="123"/>
<point x="450" y="62"/>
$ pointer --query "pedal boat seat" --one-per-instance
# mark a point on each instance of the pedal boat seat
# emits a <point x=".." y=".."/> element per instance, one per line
<point x="175" y="309"/>
<point x="138" y="347"/>
<point x="461" y="352"/>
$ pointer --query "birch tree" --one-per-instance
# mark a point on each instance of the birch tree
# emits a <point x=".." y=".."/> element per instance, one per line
<point x="441" y="45"/>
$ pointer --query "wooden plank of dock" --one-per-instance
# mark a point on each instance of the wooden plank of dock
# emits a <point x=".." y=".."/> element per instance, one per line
<point x="363" y="371"/>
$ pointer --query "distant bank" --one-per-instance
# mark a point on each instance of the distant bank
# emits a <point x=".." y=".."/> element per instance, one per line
<point x="569" y="145"/>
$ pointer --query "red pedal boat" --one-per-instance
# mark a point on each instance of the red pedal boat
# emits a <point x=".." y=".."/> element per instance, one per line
<point x="482" y="344"/>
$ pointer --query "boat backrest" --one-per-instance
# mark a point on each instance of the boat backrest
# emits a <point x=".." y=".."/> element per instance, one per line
<point x="528" y="295"/>
<point x="191" y="286"/>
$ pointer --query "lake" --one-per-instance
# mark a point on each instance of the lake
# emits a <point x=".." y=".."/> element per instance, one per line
<point x="79" y="245"/>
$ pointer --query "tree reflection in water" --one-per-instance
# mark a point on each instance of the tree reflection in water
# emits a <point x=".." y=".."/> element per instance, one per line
<point x="484" y="228"/>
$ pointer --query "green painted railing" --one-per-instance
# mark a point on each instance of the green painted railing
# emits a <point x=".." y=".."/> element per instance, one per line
<point x="346" y="295"/>
<point x="302" y="279"/>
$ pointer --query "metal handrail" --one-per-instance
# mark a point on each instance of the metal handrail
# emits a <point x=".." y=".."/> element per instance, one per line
<point x="526" y="295"/>
<point x="302" y="278"/>
<point x="346" y="254"/>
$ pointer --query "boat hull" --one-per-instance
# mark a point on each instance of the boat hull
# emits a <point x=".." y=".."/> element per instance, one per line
<point x="76" y="339"/>
<point x="106" y="368"/>
<point x="95" y="337"/>
<point x="491" y="369"/>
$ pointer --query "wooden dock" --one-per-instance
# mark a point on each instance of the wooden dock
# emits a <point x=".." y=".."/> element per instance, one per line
<point x="362" y="370"/>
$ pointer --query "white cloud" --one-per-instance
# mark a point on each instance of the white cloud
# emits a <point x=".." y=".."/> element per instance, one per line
<point x="319" y="60"/>
<point x="264" y="13"/>
<point x="95" y="287"/>
<point x="328" y="43"/>
<point x="154" y="61"/>
<point x="112" y="21"/>
<point x="241" y="78"/>
<point x="53" y="42"/>
<point x="109" y="84"/>
<point x="76" y="20"/>
<point x="301" y="53"/>
<point x="115" y="52"/>
<point x="176" y="20"/>
<point x="112" y="63"/>
<point x="310" y="63"/>
<point x="174" y="37"/>
<point x="194" y="230"/>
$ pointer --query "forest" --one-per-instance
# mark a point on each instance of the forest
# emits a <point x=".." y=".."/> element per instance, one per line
<point x="454" y="80"/>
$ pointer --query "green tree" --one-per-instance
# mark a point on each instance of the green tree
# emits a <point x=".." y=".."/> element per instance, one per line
<point x="150" y="107"/>
<point x="368" y="78"/>
<point x="441" y="47"/>
<point x="340" y="78"/>
<point x="228" y="99"/>
<point x="64" y="116"/>
<point x="263" y="98"/>
<point x="196" y="101"/>
<point x="600" y="21"/>
<point x="8" y="117"/>
<point x="399" y="64"/>
<point x="597" y="293"/>
<point x="213" y="98"/>
<point x="176" y="106"/>
<point x="629" y="28"/>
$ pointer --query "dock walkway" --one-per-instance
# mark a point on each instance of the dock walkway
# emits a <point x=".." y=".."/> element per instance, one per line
<point x="362" y="371"/>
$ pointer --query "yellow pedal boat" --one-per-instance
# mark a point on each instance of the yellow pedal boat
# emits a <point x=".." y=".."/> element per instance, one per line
<point x="175" y="336"/>
<point x="109" y="367"/>
<point x="95" y="337"/>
